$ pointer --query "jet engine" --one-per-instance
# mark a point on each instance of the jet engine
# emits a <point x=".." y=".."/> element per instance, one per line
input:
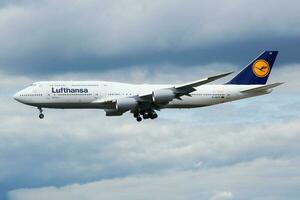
<point x="163" y="96"/>
<point x="125" y="104"/>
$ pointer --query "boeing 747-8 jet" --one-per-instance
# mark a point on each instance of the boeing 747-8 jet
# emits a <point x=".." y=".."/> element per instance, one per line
<point x="144" y="100"/>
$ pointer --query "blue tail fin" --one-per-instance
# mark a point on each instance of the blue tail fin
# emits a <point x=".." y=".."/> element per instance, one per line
<point x="257" y="72"/>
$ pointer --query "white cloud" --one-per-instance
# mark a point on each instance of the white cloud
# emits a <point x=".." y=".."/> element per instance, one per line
<point x="288" y="74"/>
<point x="222" y="196"/>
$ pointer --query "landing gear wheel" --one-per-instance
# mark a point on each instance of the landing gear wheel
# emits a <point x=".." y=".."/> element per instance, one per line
<point x="138" y="119"/>
<point x="146" y="116"/>
<point x="153" y="116"/>
<point x="41" y="115"/>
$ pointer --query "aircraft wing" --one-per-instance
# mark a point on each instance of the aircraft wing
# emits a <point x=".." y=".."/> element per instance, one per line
<point x="190" y="86"/>
<point x="155" y="99"/>
<point x="187" y="88"/>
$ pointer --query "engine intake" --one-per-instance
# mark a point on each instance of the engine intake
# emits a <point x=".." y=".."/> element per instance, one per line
<point x="162" y="96"/>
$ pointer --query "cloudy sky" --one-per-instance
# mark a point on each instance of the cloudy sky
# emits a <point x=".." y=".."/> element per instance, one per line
<point x="240" y="150"/>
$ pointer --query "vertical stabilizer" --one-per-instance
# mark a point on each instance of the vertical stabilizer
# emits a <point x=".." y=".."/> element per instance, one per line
<point x="257" y="72"/>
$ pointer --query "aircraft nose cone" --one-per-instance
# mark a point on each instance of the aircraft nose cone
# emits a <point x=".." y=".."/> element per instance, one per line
<point x="17" y="96"/>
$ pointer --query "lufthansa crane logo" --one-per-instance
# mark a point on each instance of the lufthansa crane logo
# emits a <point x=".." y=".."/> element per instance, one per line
<point x="261" y="68"/>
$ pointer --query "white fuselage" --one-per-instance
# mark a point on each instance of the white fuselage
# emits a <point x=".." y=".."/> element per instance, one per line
<point x="88" y="94"/>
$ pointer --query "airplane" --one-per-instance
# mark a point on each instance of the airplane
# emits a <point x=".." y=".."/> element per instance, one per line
<point x="143" y="100"/>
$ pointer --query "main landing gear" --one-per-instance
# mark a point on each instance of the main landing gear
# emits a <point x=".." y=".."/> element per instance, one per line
<point x="146" y="115"/>
<point x="41" y="115"/>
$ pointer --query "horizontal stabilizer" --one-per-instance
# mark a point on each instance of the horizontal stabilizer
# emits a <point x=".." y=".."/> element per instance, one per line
<point x="261" y="88"/>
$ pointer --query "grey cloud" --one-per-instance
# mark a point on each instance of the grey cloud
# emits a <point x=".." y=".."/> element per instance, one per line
<point x="258" y="179"/>
<point x="55" y="36"/>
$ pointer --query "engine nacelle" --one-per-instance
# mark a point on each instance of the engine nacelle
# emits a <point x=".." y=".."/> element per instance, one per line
<point x="113" y="112"/>
<point x="125" y="104"/>
<point x="162" y="96"/>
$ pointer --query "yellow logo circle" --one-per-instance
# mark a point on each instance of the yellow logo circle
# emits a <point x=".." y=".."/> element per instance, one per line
<point x="261" y="68"/>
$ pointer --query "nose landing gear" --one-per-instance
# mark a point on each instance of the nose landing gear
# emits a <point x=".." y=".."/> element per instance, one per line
<point x="137" y="116"/>
<point x="41" y="115"/>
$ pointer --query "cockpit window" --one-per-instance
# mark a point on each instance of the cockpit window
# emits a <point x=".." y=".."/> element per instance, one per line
<point x="33" y="84"/>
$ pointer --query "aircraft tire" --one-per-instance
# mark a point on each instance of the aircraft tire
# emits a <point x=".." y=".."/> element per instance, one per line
<point x="138" y="119"/>
<point x="153" y="116"/>
<point x="146" y="116"/>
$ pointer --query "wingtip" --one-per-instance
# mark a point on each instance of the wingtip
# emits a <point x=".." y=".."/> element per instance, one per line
<point x="280" y="83"/>
<point x="277" y="84"/>
<point x="228" y="73"/>
<point x="222" y="75"/>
